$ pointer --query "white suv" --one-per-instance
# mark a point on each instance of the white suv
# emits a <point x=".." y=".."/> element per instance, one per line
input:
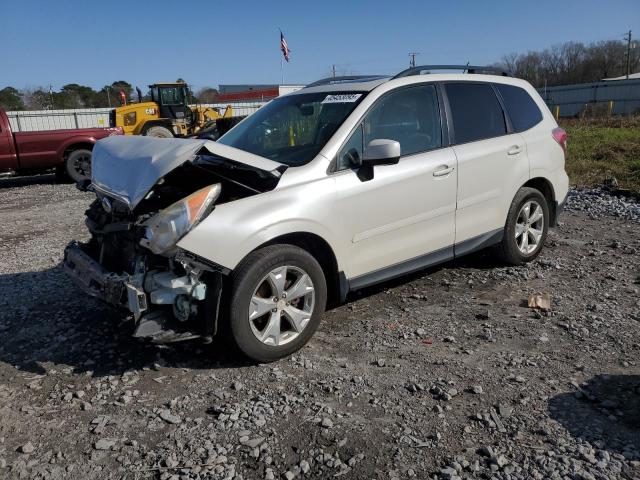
<point x="343" y="184"/>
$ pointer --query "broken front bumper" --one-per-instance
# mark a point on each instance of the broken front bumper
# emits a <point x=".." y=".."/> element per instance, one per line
<point x="120" y="291"/>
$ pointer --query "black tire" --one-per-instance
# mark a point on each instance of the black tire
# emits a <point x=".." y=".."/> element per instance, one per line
<point x="159" y="132"/>
<point x="78" y="165"/>
<point x="244" y="282"/>
<point x="507" y="250"/>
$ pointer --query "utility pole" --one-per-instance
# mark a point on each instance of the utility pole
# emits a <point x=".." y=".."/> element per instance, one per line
<point x="333" y="71"/>
<point x="412" y="62"/>
<point x="627" y="37"/>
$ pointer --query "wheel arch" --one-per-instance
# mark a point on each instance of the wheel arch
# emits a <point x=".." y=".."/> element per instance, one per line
<point x="319" y="249"/>
<point x="544" y="186"/>
<point x="76" y="146"/>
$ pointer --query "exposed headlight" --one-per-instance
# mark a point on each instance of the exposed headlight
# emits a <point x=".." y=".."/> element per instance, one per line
<point x="164" y="229"/>
<point x="130" y="119"/>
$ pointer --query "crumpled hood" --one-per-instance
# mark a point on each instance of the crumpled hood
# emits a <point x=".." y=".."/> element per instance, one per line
<point x="128" y="167"/>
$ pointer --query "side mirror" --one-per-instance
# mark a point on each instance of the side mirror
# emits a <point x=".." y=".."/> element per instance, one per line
<point x="381" y="152"/>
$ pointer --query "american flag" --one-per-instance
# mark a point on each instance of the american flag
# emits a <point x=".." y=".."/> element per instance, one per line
<point x="284" y="47"/>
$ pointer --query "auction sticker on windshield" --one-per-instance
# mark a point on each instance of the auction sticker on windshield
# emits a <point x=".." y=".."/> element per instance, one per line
<point x="342" y="98"/>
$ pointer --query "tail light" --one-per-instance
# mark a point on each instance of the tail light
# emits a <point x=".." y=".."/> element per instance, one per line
<point x="560" y="136"/>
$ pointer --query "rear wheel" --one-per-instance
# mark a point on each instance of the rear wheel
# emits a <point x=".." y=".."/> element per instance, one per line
<point x="278" y="296"/>
<point x="526" y="228"/>
<point x="78" y="165"/>
<point x="159" y="132"/>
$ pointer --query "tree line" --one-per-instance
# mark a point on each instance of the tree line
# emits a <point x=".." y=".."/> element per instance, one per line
<point x="572" y="62"/>
<point x="73" y="95"/>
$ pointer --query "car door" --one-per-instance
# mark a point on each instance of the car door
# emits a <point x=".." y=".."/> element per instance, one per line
<point x="492" y="161"/>
<point x="403" y="218"/>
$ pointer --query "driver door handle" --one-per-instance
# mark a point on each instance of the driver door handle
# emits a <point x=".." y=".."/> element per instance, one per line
<point x="442" y="170"/>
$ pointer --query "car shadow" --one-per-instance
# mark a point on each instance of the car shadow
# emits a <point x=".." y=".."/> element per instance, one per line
<point x="46" y="321"/>
<point x="24" y="181"/>
<point x="481" y="260"/>
<point x="604" y="412"/>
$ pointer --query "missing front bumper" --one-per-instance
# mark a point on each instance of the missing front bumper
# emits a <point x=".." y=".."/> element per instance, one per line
<point x="118" y="290"/>
<point x="163" y="303"/>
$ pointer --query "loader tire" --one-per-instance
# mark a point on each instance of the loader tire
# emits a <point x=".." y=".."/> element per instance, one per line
<point x="159" y="132"/>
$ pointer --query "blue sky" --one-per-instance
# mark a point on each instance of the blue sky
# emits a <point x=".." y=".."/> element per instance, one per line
<point x="213" y="42"/>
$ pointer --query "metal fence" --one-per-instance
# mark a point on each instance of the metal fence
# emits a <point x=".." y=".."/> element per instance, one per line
<point x="39" y="120"/>
<point x="616" y="97"/>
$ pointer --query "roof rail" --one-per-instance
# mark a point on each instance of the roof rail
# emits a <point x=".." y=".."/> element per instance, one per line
<point x="346" y="79"/>
<point x="465" y="68"/>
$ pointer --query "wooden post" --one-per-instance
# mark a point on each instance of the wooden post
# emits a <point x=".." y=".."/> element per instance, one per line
<point x="610" y="107"/>
<point x="557" y="112"/>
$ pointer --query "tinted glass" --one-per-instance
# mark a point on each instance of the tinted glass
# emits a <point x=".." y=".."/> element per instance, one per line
<point x="523" y="111"/>
<point x="171" y="96"/>
<point x="409" y="116"/>
<point x="476" y="112"/>
<point x="294" y="128"/>
<point x="350" y="155"/>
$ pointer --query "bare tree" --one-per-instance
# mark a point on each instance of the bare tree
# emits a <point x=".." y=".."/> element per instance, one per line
<point x="37" y="99"/>
<point x="571" y="62"/>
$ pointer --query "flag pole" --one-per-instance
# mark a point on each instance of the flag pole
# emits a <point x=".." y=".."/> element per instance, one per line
<point x="281" y="72"/>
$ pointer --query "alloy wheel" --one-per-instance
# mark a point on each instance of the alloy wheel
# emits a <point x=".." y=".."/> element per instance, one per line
<point x="529" y="227"/>
<point x="281" y="306"/>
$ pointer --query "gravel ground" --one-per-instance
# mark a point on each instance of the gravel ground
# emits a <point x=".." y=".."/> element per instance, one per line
<point x="446" y="374"/>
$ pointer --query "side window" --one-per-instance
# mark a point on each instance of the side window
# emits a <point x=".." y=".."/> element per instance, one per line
<point x="351" y="154"/>
<point x="476" y="112"/>
<point x="523" y="111"/>
<point x="409" y="116"/>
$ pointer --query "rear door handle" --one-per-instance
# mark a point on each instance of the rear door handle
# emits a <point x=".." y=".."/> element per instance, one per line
<point x="442" y="170"/>
<point x="514" y="150"/>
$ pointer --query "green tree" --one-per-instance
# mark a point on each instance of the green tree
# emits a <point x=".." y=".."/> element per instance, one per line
<point x="11" y="99"/>
<point x="117" y="87"/>
<point x="80" y="95"/>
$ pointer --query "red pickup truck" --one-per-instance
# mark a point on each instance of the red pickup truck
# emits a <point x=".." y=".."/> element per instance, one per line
<point x="68" y="151"/>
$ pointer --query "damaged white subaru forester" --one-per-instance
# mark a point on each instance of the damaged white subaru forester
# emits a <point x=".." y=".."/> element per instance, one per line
<point x="348" y="182"/>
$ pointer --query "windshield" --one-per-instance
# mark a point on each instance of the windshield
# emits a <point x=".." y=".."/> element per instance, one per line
<point x="293" y="129"/>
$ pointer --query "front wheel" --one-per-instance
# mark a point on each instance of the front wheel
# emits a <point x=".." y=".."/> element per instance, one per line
<point x="278" y="296"/>
<point x="526" y="227"/>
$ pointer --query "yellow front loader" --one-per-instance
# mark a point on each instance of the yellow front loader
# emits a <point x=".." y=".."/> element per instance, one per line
<point x="167" y="114"/>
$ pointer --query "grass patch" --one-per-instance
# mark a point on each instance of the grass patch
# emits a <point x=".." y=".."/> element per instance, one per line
<point x="601" y="148"/>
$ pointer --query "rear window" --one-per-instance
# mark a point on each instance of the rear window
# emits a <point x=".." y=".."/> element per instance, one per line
<point x="476" y="112"/>
<point x="522" y="109"/>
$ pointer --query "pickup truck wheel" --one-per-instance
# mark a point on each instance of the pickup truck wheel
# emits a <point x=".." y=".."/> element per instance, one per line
<point x="526" y="228"/>
<point x="159" y="132"/>
<point x="278" y="296"/>
<point x="78" y="165"/>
